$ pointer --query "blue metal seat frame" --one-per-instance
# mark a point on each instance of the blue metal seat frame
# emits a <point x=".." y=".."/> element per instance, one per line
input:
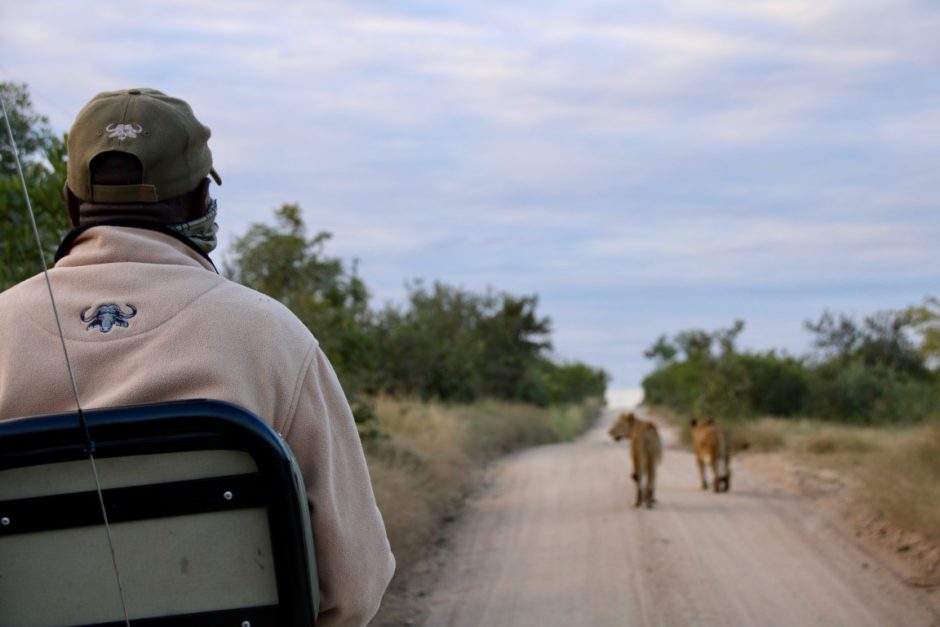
<point x="199" y="425"/>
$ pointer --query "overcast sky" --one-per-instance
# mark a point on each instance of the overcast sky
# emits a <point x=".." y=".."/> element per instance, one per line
<point x="644" y="167"/>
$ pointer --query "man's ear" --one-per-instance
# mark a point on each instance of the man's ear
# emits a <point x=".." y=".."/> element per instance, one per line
<point x="72" y="203"/>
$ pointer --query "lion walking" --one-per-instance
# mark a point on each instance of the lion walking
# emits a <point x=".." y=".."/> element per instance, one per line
<point x="646" y="449"/>
<point x="712" y="449"/>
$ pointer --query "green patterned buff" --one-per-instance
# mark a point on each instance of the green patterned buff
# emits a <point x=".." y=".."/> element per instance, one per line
<point x="202" y="231"/>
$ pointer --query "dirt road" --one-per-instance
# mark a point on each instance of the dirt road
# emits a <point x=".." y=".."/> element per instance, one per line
<point x="555" y="540"/>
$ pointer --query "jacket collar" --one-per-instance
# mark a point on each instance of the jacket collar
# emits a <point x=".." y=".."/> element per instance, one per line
<point x="128" y="242"/>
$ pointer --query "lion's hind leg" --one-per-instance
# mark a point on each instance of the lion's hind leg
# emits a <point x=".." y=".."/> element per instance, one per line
<point x="637" y="477"/>
<point x="653" y="449"/>
<point x="650" y="483"/>
<point x="639" y="490"/>
<point x="725" y="480"/>
<point x="724" y="454"/>
<point x="701" y="471"/>
<point x="716" y="476"/>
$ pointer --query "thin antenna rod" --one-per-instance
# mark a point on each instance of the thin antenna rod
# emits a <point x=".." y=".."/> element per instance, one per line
<point x="89" y="443"/>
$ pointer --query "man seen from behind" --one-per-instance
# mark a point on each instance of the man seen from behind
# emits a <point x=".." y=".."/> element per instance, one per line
<point x="147" y="318"/>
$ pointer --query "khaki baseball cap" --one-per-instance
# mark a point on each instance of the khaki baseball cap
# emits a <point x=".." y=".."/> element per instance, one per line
<point x="161" y="131"/>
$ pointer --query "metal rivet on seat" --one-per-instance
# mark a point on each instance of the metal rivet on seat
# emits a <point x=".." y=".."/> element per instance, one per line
<point x="4" y="521"/>
<point x="227" y="495"/>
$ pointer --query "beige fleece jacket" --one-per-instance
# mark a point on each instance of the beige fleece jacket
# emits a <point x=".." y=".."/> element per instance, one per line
<point x="195" y="335"/>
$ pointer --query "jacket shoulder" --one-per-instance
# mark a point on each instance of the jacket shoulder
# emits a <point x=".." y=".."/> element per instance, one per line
<point x="243" y="305"/>
<point x="24" y="297"/>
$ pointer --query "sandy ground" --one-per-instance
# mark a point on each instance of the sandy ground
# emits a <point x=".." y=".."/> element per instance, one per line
<point x="553" y="539"/>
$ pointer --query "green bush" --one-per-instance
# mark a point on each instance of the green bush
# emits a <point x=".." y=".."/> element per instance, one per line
<point x="865" y="374"/>
<point x="870" y="394"/>
<point x="776" y="386"/>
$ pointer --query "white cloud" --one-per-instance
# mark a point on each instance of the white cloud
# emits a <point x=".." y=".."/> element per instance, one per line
<point x="584" y="147"/>
<point x="765" y="251"/>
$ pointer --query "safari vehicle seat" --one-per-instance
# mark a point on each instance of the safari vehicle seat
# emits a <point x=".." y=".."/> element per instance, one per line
<point x="207" y="511"/>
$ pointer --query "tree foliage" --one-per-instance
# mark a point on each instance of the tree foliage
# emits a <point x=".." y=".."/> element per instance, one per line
<point x="442" y="343"/>
<point x="868" y="371"/>
<point x="925" y="321"/>
<point x="31" y="131"/>
<point x="451" y="344"/>
<point x="43" y="157"/>
<point x="880" y="339"/>
<point x="572" y="382"/>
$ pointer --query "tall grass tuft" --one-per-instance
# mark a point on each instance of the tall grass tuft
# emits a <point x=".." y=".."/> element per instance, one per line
<point x="419" y="471"/>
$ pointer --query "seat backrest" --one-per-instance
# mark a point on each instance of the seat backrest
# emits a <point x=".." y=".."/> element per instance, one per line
<point x="208" y="517"/>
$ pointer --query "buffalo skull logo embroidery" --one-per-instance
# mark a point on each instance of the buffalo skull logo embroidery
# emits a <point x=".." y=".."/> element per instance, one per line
<point x="123" y="131"/>
<point x="107" y="316"/>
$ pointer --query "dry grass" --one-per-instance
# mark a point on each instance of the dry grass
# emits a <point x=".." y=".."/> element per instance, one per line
<point x="764" y="436"/>
<point x="901" y="478"/>
<point x="419" y="473"/>
<point x="767" y="435"/>
<point x="433" y="454"/>
<point x="897" y="470"/>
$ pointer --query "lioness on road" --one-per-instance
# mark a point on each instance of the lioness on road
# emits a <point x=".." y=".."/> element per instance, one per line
<point x="712" y="449"/>
<point x="647" y="451"/>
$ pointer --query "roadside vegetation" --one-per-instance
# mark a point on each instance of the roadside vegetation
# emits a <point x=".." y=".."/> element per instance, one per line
<point x="865" y="403"/>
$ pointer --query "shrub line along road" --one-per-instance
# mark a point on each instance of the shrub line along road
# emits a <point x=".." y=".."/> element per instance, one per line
<point x="554" y="539"/>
